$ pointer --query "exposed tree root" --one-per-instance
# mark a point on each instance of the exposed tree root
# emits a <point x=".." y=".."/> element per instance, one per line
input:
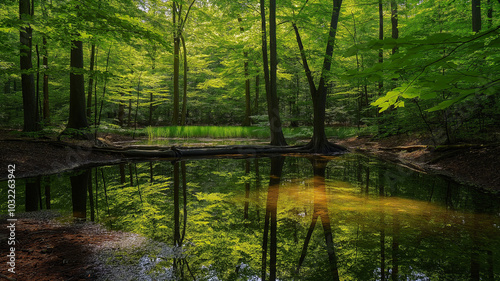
<point x="324" y="147"/>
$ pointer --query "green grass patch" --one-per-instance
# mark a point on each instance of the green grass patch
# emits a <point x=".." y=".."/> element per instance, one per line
<point x="221" y="132"/>
<point x="206" y="132"/>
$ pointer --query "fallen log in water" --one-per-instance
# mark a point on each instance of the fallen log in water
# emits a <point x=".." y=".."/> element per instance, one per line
<point x="177" y="153"/>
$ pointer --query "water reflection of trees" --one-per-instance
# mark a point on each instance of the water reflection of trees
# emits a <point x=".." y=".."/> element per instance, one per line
<point x="320" y="210"/>
<point x="226" y="236"/>
<point x="270" y="219"/>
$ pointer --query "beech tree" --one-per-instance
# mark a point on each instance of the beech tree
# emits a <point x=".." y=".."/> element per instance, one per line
<point x="277" y="137"/>
<point x="179" y="22"/>
<point x="77" y="109"/>
<point x="30" y="111"/>
<point x="319" y="142"/>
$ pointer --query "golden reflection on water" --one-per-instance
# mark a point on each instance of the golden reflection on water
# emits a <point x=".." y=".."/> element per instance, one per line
<point x="346" y="203"/>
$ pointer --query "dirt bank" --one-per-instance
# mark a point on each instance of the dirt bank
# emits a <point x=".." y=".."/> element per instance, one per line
<point x="49" y="247"/>
<point x="475" y="164"/>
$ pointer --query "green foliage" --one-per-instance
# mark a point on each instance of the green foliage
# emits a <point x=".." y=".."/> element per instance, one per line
<point x="442" y="74"/>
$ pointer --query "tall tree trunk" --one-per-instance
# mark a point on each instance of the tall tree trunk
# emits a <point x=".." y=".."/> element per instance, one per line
<point x="37" y="87"/>
<point x="257" y="91"/>
<point x="277" y="137"/>
<point x="394" y="23"/>
<point x="91" y="81"/>
<point x="175" y="115"/>
<point x="150" y="122"/>
<point x="319" y="142"/>
<point x="121" y="110"/>
<point x="489" y="14"/>
<point x="45" y="63"/>
<point x="77" y="109"/>
<point x="248" y="111"/>
<point x="178" y="27"/>
<point x="184" y="97"/>
<point x="380" y="37"/>
<point x="27" y="79"/>
<point x="129" y="123"/>
<point x="476" y="15"/>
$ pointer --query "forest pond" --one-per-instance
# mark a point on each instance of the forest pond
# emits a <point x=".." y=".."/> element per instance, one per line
<point x="288" y="218"/>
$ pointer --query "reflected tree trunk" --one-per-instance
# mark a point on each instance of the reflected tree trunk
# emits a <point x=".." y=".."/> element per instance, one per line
<point x="491" y="268"/>
<point x="91" y="197"/>
<point x="381" y="193"/>
<point x="395" y="247"/>
<point x="270" y="221"/>
<point x="138" y="185"/>
<point x="46" y="186"/>
<point x="96" y="182"/>
<point x="122" y="173"/>
<point x="475" y="266"/>
<point x="151" y="172"/>
<point x="184" y="200"/>
<point x="320" y="209"/>
<point x="105" y="189"/>
<point x="131" y="174"/>
<point x="367" y="184"/>
<point x="247" y="189"/>
<point x="179" y="169"/>
<point x="32" y="194"/>
<point x="257" y="186"/>
<point x="79" y="187"/>
<point x="177" y="235"/>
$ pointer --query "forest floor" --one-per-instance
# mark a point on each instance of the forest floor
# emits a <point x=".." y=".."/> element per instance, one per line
<point x="48" y="249"/>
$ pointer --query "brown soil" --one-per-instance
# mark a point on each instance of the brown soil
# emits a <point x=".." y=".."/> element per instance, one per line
<point x="48" y="249"/>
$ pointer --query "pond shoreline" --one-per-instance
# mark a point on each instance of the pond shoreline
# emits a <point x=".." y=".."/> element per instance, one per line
<point x="471" y="164"/>
<point x="51" y="247"/>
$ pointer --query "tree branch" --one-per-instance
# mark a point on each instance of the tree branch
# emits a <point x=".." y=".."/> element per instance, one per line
<point x="310" y="79"/>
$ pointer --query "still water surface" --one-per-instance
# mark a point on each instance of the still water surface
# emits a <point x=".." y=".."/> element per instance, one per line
<point x="289" y="218"/>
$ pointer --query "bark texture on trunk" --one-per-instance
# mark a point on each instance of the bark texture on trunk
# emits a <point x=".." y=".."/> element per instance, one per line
<point x="27" y="78"/>
<point x="319" y="142"/>
<point x="77" y="108"/>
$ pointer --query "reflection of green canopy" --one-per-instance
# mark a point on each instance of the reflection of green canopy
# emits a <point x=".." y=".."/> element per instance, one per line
<point x="377" y="220"/>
